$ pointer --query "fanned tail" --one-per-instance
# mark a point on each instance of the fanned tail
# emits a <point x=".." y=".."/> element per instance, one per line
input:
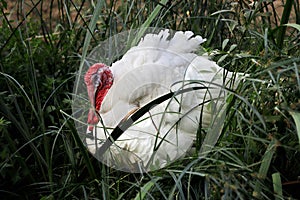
<point x="181" y="42"/>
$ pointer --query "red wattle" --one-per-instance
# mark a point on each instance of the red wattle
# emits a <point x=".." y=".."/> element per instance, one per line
<point x="102" y="72"/>
<point x="107" y="82"/>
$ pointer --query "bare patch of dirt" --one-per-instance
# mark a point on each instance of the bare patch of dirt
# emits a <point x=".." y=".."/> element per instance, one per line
<point x="51" y="13"/>
<point x="55" y="12"/>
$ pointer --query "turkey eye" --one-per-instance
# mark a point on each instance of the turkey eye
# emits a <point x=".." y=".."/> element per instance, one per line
<point x="96" y="80"/>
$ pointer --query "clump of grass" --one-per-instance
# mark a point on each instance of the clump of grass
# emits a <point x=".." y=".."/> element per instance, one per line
<point x="42" y="155"/>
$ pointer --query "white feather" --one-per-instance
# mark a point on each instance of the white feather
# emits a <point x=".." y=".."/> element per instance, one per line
<point x="146" y="72"/>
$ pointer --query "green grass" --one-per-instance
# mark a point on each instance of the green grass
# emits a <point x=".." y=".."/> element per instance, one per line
<point x="41" y="154"/>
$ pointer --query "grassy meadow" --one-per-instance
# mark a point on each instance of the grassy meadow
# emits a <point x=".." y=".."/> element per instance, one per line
<point x="44" y="43"/>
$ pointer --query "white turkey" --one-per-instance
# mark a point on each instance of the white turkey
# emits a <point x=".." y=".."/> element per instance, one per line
<point x="160" y="63"/>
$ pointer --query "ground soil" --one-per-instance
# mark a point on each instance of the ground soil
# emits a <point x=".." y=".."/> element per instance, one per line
<point x="54" y="9"/>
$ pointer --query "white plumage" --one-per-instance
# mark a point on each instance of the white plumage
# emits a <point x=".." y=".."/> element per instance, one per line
<point x="157" y="65"/>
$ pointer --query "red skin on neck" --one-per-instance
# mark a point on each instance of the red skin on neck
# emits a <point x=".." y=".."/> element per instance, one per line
<point x="101" y="74"/>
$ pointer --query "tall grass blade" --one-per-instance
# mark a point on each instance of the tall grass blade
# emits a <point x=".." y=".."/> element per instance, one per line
<point x="88" y="38"/>
<point x="264" y="167"/>
<point x="148" y="21"/>
<point x="284" y="20"/>
<point x="146" y="188"/>
<point x="296" y="26"/>
<point x="277" y="186"/>
<point x="296" y="117"/>
<point x="213" y="134"/>
<point x="84" y="152"/>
